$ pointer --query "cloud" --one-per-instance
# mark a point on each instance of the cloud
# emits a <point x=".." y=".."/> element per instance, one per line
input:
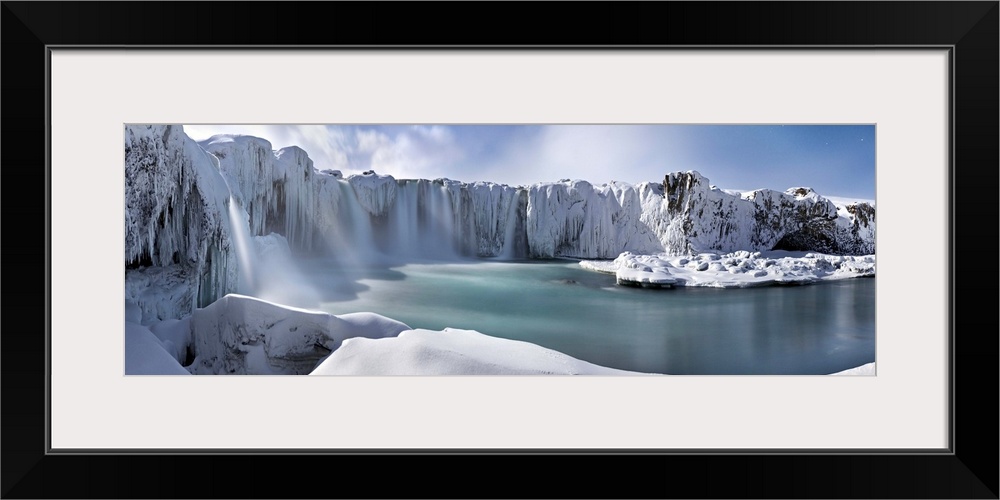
<point x="328" y="147"/>
<point x="597" y="153"/>
<point x="414" y="152"/>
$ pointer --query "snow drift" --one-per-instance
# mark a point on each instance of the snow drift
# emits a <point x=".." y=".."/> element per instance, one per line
<point x="453" y="352"/>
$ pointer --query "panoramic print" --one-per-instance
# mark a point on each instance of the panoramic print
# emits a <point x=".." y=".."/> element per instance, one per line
<point x="430" y="250"/>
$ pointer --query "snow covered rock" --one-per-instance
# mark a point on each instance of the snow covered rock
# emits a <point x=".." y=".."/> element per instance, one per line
<point x="650" y="272"/>
<point x="452" y="352"/>
<point x="734" y="270"/>
<point x="245" y="335"/>
<point x="699" y="217"/>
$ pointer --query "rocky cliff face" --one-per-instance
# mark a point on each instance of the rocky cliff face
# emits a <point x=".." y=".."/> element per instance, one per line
<point x="701" y="218"/>
<point x="177" y="194"/>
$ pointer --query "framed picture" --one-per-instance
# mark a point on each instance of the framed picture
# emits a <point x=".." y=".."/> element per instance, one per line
<point x="923" y="75"/>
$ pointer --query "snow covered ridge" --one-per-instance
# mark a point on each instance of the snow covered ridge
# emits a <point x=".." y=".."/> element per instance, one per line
<point x="244" y="335"/>
<point x="733" y="270"/>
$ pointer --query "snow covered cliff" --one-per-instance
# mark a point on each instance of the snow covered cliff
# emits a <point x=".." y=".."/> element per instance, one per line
<point x="179" y="236"/>
<point x="178" y="247"/>
<point x="696" y="217"/>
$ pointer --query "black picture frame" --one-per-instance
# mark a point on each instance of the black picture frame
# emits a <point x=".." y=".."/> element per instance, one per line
<point x="968" y="470"/>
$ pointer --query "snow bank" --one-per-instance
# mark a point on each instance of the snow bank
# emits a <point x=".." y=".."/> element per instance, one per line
<point x="452" y="352"/>
<point x="735" y="270"/>
<point x="245" y="335"/>
<point x="175" y="335"/>
<point x="146" y="355"/>
<point x="866" y="369"/>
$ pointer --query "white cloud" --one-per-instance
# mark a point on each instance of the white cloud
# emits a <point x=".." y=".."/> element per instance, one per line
<point x="416" y="152"/>
<point x="597" y="153"/>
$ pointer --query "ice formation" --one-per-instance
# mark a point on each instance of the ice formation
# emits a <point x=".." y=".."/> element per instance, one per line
<point x="178" y="247"/>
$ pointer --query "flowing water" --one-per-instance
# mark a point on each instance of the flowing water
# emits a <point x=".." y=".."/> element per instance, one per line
<point x="813" y="329"/>
<point x="244" y="247"/>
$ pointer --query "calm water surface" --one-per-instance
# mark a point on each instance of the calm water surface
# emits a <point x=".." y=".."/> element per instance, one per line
<point x="812" y="329"/>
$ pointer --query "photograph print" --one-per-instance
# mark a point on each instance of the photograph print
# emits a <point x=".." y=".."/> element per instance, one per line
<point x="455" y="249"/>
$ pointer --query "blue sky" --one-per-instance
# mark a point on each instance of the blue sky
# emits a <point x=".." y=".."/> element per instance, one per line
<point x="835" y="160"/>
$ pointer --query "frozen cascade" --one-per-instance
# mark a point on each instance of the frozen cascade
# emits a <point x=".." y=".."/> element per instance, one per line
<point x="295" y="202"/>
<point x="578" y="219"/>
<point x="493" y="205"/>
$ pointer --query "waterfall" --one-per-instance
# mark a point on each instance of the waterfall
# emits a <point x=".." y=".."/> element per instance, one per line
<point x="239" y="226"/>
<point x="445" y="219"/>
<point x="360" y="227"/>
<point x="244" y="248"/>
<point x="404" y="217"/>
<point x="508" y="252"/>
<point x="421" y="222"/>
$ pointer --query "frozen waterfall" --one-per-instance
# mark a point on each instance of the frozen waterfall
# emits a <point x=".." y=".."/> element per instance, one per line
<point x="195" y="211"/>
